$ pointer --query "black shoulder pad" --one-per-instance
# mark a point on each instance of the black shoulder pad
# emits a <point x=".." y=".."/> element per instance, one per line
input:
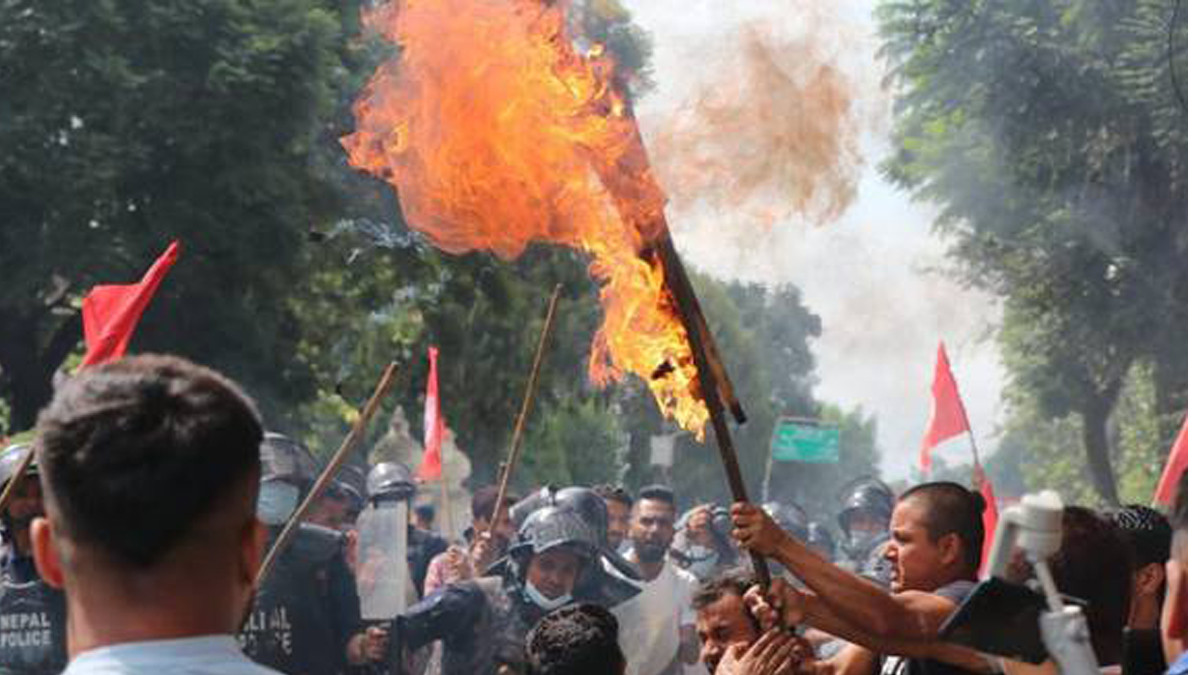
<point x="315" y="544"/>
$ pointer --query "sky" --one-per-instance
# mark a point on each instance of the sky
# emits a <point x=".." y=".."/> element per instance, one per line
<point x="875" y="273"/>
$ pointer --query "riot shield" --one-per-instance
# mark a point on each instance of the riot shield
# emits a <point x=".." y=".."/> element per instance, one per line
<point x="385" y="587"/>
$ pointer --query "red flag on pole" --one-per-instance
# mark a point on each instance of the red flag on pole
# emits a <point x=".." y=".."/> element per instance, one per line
<point x="110" y="313"/>
<point x="947" y="419"/>
<point x="431" y="462"/>
<point x="1173" y="471"/>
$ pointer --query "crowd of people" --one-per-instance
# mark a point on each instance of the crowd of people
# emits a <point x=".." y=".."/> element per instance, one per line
<point x="134" y="545"/>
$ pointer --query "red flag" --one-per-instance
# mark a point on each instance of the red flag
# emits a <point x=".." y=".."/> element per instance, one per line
<point x="948" y="418"/>
<point x="1173" y="471"/>
<point x="990" y="513"/>
<point x="431" y="462"/>
<point x="110" y="313"/>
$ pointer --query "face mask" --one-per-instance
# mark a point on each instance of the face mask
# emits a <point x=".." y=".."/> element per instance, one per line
<point x="542" y="601"/>
<point x="276" y="501"/>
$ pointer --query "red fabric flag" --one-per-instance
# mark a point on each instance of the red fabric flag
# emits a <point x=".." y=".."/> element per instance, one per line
<point x="110" y="313"/>
<point x="431" y="462"/>
<point x="990" y="513"/>
<point x="948" y="418"/>
<point x="1173" y="471"/>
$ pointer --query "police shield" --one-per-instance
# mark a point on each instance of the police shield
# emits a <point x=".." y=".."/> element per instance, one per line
<point x="385" y="587"/>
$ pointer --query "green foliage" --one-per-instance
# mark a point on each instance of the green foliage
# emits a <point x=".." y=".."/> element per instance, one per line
<point x="126" y="125"/>
<point x="1051" y="137"/>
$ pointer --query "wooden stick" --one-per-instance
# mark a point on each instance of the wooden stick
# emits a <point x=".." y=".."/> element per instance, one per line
<point x="518" y="432"/>
<point x="353" y="438"/>
<point x="676" y="279"/>
<point x="11" y="489"/>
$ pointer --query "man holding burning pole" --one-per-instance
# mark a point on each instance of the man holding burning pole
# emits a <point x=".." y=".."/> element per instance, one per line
<point x="483" y="622"/>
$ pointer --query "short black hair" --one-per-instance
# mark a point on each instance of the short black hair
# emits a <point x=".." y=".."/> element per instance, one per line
<point x="575" y="640"/>
<point x="733" y="581"/>
<point x="614" y="493"/>
<point x="483" y="502"/>
<point x="952" y="509"/>
<point x="135" y="453"/>
<point x="657" y="493"/>
<point x="1087" y="539"/>
<point x="1146" y="531"/>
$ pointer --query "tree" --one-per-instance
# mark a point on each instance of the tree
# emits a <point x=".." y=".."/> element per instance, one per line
<point x="1052" y="137"/>
<point x="127" y="125"/>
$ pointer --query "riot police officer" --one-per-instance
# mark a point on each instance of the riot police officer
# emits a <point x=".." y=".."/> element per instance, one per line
<point x="305" y="615"/>
<point x="393" y="481"/>
<point x="483" y="622"/>
<point x="865" y="520"/>
<point x="33" y="616"/>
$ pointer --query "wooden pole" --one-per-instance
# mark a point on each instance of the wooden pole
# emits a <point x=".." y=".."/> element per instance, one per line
<point x="353" y="438"/>
<point x="676" y="279"/>
<point x="11" y="488"/>
<point x="530" y="386"/>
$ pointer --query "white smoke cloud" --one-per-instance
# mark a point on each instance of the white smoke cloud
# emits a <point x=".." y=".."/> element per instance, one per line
<point x="868" y="272"/>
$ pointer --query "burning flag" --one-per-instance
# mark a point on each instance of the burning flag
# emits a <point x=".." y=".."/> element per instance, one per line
<point x="496" y="132"/>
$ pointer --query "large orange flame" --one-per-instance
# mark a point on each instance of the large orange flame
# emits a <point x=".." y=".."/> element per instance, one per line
<point x="497" y="133"/>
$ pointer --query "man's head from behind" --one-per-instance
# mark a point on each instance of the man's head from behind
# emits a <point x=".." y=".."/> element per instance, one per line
<point x="150" y="469"/>
<point x="1148" y="535"/>
<point x="937" y="536"/>
<point x="722" y="618"/>
<point x="575" y="640"/>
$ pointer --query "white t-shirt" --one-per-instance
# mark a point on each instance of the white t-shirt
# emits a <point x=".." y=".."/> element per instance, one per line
<point x="205" y="655"/>
<point x="651" y="620"/>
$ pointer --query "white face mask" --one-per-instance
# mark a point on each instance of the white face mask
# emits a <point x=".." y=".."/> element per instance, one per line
<point x="276" y="501"/>
<point x="542" y="601"/>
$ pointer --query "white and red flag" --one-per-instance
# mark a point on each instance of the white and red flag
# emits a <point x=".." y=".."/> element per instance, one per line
<point x="431" y="462"/>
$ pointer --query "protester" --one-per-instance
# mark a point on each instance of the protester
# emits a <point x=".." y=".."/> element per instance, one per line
<point x="33" y="615"/>
<point x="701" y="545"/>
<point x="727" y="630"/>
<point x="305" y="617"/>
<point x="1148" y="536"/>
<point x="658" y="633"/>
<point x="934" y="552"/>
<point x="423" y="515"/>
<point x="619" y="505"/>
<point x="483" y="622"/>
<point x="1174" y="617"/>
<point x="150" y="471"/>
<point x="484" y="546"/>
<point x="575" y="640"/>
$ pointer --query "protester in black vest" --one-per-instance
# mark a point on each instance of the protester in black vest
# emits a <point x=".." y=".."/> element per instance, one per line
<point x="33" y="622"/>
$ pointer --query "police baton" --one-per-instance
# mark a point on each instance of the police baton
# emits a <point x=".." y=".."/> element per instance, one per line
<point x="348" y="445"/>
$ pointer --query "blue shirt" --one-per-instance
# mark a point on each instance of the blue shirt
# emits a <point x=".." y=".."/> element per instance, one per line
<point x="1180" y="665"/>
<point x="186" y="656"/>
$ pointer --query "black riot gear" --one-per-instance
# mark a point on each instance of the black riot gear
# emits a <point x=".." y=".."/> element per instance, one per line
<point x="483" y="622"/>
<point x="284" y="459"/>
<point x="869" y="496"/>
<point x="307" y="609"/>
<point x="33" y="616"/>
<point x="790" y="517"/>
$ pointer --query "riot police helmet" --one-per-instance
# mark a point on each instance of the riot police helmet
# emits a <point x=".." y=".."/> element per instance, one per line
<point x="866" y="496"/>
<point x="790" y="517"/>
<point x="590" y="507"/>
<point x="820" y="538"/>
<point x="520" y="511"/>
<point x="286" y="460"/>
<point x="551" y="527"/>
<point x="11" y="458"/>
<point x="390" y="481"/>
